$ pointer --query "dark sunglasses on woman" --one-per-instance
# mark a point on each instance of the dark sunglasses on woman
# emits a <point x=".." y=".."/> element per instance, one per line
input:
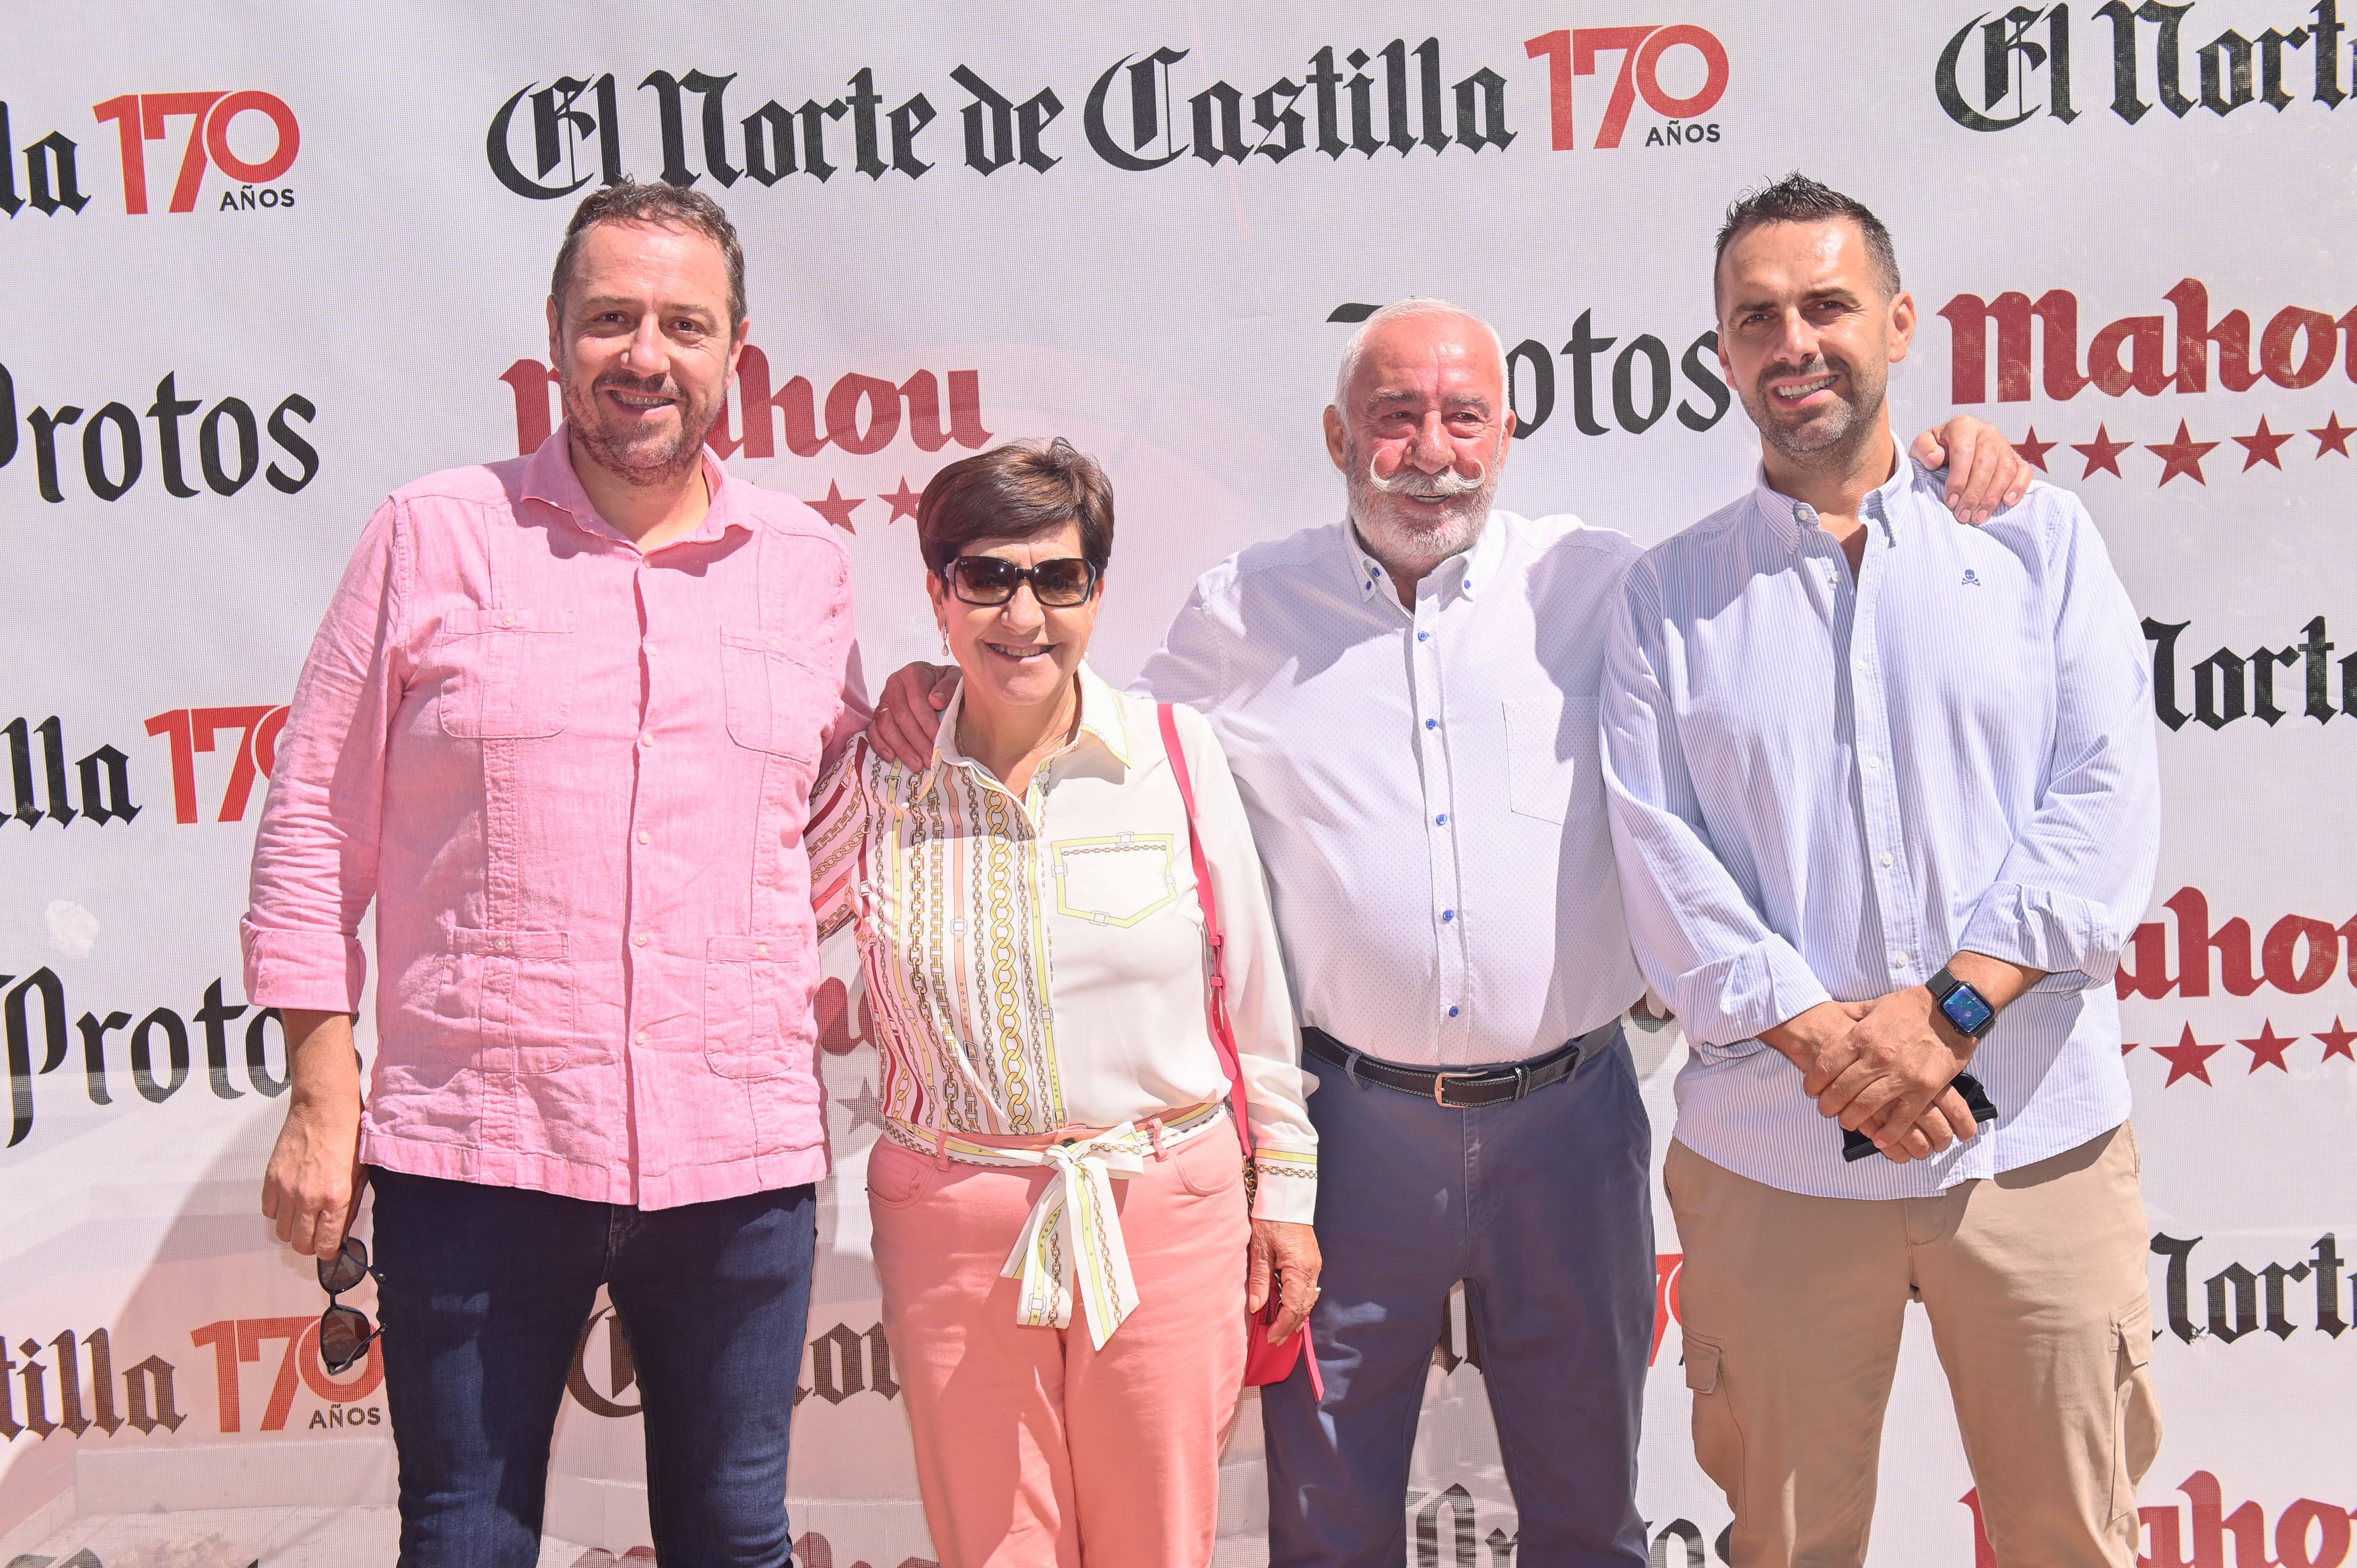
<point x="1059" y="584"/>
<point x="345" y="1331"/>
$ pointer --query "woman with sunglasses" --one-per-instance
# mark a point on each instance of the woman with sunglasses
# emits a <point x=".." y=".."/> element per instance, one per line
<point x="1061" y="1214"/>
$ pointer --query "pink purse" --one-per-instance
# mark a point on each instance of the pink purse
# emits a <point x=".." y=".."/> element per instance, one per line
<point x="1265" y="1360"/>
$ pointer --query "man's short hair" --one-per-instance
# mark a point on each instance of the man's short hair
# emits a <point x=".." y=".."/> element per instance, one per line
<point x="667" y="206"/>
<point x="1398" y="309"/>
<point x="1797" y="198"/>
<point x="1013" y="492"/>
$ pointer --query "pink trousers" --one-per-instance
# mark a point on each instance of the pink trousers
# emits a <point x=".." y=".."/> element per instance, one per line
<point x="1035" y="1449"/>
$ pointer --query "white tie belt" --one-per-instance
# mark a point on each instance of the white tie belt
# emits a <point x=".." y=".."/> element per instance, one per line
<point x="1071" y="1241"/>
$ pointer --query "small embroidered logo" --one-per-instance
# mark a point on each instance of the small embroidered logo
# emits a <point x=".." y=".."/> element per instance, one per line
<point x="1970" y="581"/>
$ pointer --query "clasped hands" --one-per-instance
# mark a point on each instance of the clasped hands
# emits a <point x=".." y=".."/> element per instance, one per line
<point x="1883" y="1068"/>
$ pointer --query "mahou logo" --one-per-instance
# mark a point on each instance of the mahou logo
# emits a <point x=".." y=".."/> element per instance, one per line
<point x="2001" y="72"/>
<point x="250" y="136"/>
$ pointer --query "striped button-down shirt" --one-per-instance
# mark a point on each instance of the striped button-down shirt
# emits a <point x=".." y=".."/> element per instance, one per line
<point x="1423" y="782"/>
<point x="1824" y="784"/>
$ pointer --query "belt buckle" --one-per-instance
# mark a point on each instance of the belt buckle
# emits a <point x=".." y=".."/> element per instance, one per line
<point x="1440" y="1084"/>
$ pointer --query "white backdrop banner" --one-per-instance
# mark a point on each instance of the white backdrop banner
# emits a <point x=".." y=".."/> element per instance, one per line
<point x="270" y="261"/>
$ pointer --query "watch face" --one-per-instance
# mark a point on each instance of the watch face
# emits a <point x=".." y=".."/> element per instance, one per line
<point x="1967" y="1011"/>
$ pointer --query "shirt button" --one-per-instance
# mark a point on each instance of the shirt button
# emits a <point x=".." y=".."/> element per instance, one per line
<point x="1899" y="961"/>
<point x="1432" y="724"/>
<point x="640" y="1038"/>
<point x="1447" y="915"/>
<point x="760" y="950"/>
<point x="507" y="620"/>
<point x="1873" y="764"/>
<point x="1452" y="1011"/>
<point x="652" y="651"/>
<point x="1886" y="857"/>
<point x="1860" y="663"/>
<point x="640" y="940"/>
<point x="774" y="642"/>
<point x="645" y="837"/>
<point x="1441" y="820"/>
<point x="1424" y="636"/>
<point x="500" y="943"/>
<point x="649" y="740"/>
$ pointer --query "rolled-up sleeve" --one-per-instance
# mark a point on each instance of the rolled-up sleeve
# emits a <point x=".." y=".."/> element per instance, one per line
<point x="1260" y="1003"/>
<point x="315" y="854"/>
<point x="2074" y="881"/>
<point x="1704" y="949"/>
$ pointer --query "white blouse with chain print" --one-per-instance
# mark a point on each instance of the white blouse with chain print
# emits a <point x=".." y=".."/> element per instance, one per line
<point x="1037" y="961"/>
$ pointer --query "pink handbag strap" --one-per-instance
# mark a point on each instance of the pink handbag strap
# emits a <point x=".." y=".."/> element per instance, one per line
<point x="1223" y="1035"/>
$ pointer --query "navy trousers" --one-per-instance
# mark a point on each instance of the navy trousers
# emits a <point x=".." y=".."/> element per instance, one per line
<point x="1541" y="1206"/>
<point x="484" y="1291"/>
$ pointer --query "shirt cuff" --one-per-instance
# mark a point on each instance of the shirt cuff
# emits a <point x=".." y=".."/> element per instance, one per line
<point x="2038" y="930"/>
<point x="1756" y="990"/>
<point x="1286" y="1186"/>
<point x="312" y="970"/>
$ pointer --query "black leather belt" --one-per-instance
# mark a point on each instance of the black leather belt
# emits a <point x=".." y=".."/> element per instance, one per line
<point x="1461" y="1091"/>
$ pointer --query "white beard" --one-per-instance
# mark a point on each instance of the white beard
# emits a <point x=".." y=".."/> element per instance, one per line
<point x="1411" y="537"/>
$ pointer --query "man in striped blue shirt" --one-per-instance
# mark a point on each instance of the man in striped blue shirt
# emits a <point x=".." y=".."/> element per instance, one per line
<point x="1884" y="797"/>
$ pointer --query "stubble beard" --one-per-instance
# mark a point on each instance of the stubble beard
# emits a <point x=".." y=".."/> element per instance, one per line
<point x="1832" y="440"/>
<point x="645" y="461"/>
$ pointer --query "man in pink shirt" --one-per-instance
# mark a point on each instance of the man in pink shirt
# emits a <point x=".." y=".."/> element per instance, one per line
<point x="561" y="725"/>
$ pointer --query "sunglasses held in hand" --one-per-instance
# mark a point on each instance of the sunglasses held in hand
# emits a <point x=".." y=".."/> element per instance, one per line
<point x="345" y="1331"/>
<point x="1059" y="584"/>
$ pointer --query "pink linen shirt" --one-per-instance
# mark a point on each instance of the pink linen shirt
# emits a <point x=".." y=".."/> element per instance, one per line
<point x="574" y="778"/>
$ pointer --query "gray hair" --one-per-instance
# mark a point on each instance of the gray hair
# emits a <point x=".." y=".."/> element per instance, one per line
<point x="1400" y="310"/>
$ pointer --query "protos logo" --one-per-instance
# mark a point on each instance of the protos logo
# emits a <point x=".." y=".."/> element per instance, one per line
<point x="214" y="137"/>
<point x="1572" y="52"/>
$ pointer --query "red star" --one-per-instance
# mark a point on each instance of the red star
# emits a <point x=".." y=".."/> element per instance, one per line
<point x="903" y="501"/>
<point x="2269" y="1049"/>
<point x="2334" y="437"/>
<point x="2338" y="1040"/>
<point x="2261" y="444"/>
<point x="2126" y="1046"/>
<point x="2033" y="451"/>
<point x="2102" y="453"/>
<point x="837" y="507"/>
<point x="2183" y="456"/>
<point x="2187" y="1058"/>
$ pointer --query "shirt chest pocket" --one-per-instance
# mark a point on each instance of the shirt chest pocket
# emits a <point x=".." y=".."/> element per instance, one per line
<point x="1538" y="779"/>
<point x="507" y="674"/>
<point x="775" y="702"/>
<point x="1115" y="880"/>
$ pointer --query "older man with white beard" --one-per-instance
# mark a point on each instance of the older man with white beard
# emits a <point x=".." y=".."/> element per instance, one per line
<point x="1407" y="697"/>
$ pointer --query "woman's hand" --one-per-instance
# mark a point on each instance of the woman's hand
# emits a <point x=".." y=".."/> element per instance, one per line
<point x="312" y="1184"/>
<point x="1290" y="1251"/>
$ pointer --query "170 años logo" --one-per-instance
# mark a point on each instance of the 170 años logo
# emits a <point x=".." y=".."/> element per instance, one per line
<point x="251" y="136"/>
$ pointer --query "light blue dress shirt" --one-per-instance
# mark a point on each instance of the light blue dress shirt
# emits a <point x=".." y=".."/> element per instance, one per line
<point x="1824" y="785"/>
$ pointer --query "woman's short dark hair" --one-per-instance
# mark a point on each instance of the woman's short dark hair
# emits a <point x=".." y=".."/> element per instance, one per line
<point x="1011" y="492"/>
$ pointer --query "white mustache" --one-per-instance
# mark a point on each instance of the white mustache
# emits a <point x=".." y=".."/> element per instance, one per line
<point x="1408" y="479"/>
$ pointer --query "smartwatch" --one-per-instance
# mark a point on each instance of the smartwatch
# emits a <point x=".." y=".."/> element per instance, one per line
<point x="1964" y="1006"/>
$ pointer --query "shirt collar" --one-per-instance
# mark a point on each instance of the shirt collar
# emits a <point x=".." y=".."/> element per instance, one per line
<point x="1466" y="573"/>
<point x="1789" y="519"/>
<point x="1102" y="723"/>
<point x="549" y="478"/>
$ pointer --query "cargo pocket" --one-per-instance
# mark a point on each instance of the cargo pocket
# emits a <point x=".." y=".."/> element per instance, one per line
<point x="517" y="988"/>
<point x="1717" y="1441"/>
<point x="740" y="1008"/>
<point x="2135" y="1407"/>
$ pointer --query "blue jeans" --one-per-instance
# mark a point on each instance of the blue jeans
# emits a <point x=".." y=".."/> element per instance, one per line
<point x="484" y="1291"/>
<point x="1541" y="1206"/>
